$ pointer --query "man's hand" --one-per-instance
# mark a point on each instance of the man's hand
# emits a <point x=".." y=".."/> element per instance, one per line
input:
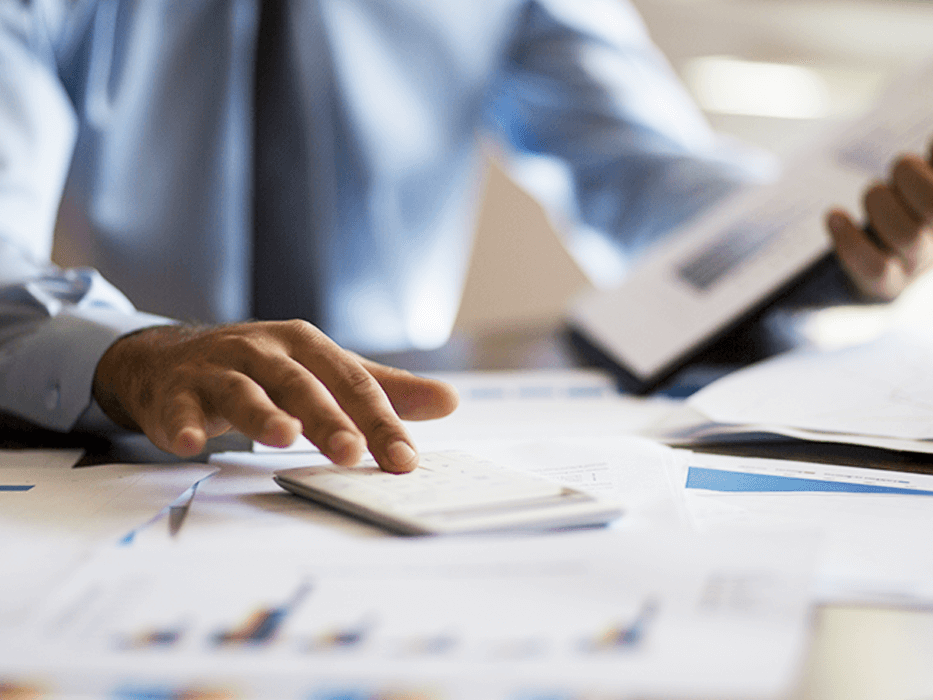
<point x="271" y="381"/>
<point x="898" y="247"/>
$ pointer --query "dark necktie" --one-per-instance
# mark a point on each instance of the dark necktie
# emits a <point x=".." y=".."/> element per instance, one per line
<point x="289" y="209"/>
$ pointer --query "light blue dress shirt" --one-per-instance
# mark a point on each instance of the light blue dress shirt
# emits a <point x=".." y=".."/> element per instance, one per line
<point x="137" y="118"/>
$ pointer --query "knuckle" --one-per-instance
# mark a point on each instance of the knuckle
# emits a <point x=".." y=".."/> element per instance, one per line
<point x="382" y="429"/>
<point x="300" y="330"/>
<point x="299" y="325"/>
<point x="229" y="385"/>
<point x="289" y="384"/>
<point x="231" y="347"/>
<point x="301" y="338"/>
<point x="320" y="430"/>
<point x="359" y="383"/>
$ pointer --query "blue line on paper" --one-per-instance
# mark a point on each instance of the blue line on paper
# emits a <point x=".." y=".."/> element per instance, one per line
<point x="721" y="480"/>
<point x="16" y="487"/>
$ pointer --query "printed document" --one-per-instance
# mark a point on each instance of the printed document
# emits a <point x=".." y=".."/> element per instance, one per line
<point x="594" y="614"/>
<point x="707" y="276"/>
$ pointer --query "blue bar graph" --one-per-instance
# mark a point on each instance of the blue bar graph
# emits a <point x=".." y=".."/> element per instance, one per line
<point x="343" y="638"/>
<point x="723" y="480"/>
<point x="625" y="636"/>
<point x="263" y="625"/>
<point x="16" y="487"/>
<point x="156" y="638"/>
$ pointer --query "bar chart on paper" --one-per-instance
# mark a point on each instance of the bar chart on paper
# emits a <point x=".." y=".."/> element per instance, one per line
<point x="262" y="625"/>
<point x="583" y="612"/>
<point x="337" y="619"/>
<point x="746" y="474"/>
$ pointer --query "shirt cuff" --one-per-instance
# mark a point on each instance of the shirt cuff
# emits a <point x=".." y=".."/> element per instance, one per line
<point x="46" y="376"/>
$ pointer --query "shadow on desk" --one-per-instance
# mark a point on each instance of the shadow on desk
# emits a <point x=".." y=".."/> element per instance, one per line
<point x="824" y="453"/>
<point x="119" y="448"/>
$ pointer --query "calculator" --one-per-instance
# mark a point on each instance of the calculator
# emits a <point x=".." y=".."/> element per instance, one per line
<point x="450" y="492"/>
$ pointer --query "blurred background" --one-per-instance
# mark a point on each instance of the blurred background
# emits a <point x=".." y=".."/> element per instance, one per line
<point x="775" y="73"/>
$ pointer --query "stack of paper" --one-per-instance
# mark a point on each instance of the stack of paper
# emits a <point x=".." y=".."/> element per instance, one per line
<point x="872" y="522"/>
<point x="702" y="589"/>
<point x="878" y="394"/>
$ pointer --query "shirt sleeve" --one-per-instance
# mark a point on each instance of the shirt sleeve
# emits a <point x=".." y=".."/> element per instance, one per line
<point x="54" y="324"/>
<point x="586" y="100"/>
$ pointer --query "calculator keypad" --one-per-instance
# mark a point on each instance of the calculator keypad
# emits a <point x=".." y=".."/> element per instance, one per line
<point x="443" y="480"/>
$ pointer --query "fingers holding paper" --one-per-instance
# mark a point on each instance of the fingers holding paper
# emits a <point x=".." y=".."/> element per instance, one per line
<point x="895" y="246"/>
<point x="270" y="380"/>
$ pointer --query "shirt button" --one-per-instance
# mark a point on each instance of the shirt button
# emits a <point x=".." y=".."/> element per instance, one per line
<point x="53" y="397"/>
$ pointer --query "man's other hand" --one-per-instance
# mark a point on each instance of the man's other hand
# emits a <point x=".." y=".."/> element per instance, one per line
<point x="896" y="245"/>
<point x="271" y="381"/>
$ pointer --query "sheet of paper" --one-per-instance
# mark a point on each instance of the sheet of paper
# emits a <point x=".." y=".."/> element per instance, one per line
<point x="531" y="419"/>
<point x="52" y="516"/>
<point x="703" y="278"/>
<point x="748" y="474"/>
<point x="594" y="613"/>
<point x="38" y="459"/>
<point x="100" y="502"/>
<point x="242" y="503"/>
<point x="569" y="383"/>
<point x="883" y="388"/>
<point x="686" y="426"/>
<point x="873" y="544"/>
<point x="640" y="474"/>
<point x="531" y="404"/>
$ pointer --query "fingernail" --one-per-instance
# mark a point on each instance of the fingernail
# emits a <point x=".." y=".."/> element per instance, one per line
<point x="342" y="446"/>
<point x="401" y="454"/>
<point x="835" y="222"/>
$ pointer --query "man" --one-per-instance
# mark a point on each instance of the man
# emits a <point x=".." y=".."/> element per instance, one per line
<point x="318" y="159"/>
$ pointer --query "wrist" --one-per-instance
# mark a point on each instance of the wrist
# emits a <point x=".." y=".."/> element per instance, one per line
<point x="119" y="374"/>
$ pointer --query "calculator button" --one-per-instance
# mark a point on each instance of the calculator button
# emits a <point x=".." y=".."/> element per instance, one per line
<point x="447" y="486"/>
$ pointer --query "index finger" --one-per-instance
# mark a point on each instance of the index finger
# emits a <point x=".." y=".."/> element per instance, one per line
<point x="413" y="397"/>
<point x="359" y="395"/>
